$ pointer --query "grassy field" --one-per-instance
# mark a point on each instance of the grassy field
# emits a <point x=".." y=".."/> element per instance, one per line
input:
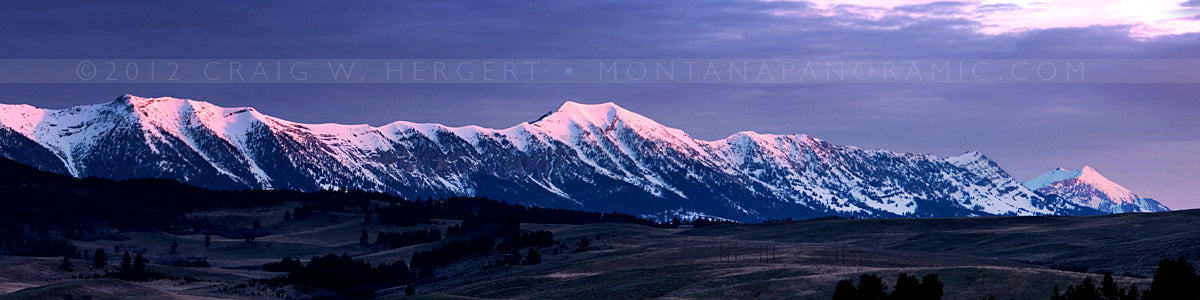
<point x="1008" y="257"/>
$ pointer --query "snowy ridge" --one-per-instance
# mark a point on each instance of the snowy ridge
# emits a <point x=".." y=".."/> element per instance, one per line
<point x="598" y="157"/>
<point x="1086" y="187"/>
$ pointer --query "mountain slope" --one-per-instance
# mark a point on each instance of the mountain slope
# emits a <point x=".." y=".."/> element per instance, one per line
<point x="594" y="157"/>
<point x="1086" y="187"/>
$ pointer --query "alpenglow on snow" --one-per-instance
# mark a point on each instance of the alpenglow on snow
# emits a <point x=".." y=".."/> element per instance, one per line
<point x="597" y="157"/>
<point x="1086" y="187"/>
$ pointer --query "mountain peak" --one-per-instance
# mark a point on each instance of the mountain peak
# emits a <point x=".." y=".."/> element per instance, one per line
<point x="134" y="99"/>
<point x="600" y="115"/>
<point x="1059" y="174"/>
<point x="1115" y="191"/>
<point x="1084" y="181"/>
<point x="590" y="156"/>
<point x="569" y="104"/>
<point x="143" y="102"/>
<point x="976" y="155"/>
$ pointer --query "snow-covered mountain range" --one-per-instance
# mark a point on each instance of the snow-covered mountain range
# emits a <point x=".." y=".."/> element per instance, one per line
<point x="594" y="157"/>
<point x="1088" y="188"/>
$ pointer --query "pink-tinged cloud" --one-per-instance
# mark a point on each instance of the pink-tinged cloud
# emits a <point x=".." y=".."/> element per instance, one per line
<point x="1144" y="18"/>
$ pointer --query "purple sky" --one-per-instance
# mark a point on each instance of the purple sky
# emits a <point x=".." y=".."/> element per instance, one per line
<point x="1144" y="136"/>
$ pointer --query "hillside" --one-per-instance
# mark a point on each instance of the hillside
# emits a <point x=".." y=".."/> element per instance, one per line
<point x="235" y="234"/>
<point x="1020" y="257"/>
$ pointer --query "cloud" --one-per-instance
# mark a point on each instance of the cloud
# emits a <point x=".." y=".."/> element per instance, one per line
<point x="1144" y="18"/>
<point x="654" y="29"/>
<point x="936" y="8"/>
<point x="1030" y="128"/>
<point x="998" y="7"/>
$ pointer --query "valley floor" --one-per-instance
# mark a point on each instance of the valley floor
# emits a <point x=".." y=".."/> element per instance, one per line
<point x="1008" y="257"/>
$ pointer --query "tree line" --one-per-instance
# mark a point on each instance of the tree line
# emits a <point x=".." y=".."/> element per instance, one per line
<point x="872" y="287"/>
<point x="48" y="207"/>
<point x="1174" y="279"/>
<point x="453" y="250"/>
<point x="349" y="277"/>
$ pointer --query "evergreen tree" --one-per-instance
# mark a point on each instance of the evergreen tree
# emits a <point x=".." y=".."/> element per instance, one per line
<point x="845" y="291"/>
<point x="1174" y="280"/>
<point x="257" y="225"/>
<point x="100" y="259"/>
<point x="1109" y="289"/>
<point x="287" y="214"/>
<point x="174" y="247"/>
<point x="1085" y="291"/>
<point x="126" y="262"/>
<point x="907" y="287"/>
<point x="66" y="264"/>
<point x="362" y="238"/>
<point x="533" y="257"/>
<point x="207" y="241"/>
<point x="584" y="245"/>
<point x="871" y="287"/>
<point x="139" y="263"/>
<point x="1132" y="294"/>
<point x="931" y="288"/>
<point x="409" y="290"/>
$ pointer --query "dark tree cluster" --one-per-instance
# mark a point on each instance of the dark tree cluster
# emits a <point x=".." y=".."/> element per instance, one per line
<point x="73" y="205"/>
<point x="350" y="277"/>
<point x="133" y="268"/>
<point x="407" y="238"/>
<point x="697" y="222"/>
<point x="54" y="206"/>
<point x="702" y="222"/>
<point x="23" y="244"/>
<point x="490" y="224"/>
<point x="584" y="245"/>
<point x="539" y="239"/>
<point x="1174" y="279"/>
<point x="76" y="208"/>
<point x="463" y="208"/>
<point x="302" y="212"/>
<point x="403" y="213"/>
<point x="616" y="217"/>
<point x="288" y="264"/>
<point x="451" y="251"/>
<point x="533" y="257"/>
<point x="871" y="287"/>
<point x="1108" y="290"/>
<point x="191" y="262"/>
<point x="453" y="230"/>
